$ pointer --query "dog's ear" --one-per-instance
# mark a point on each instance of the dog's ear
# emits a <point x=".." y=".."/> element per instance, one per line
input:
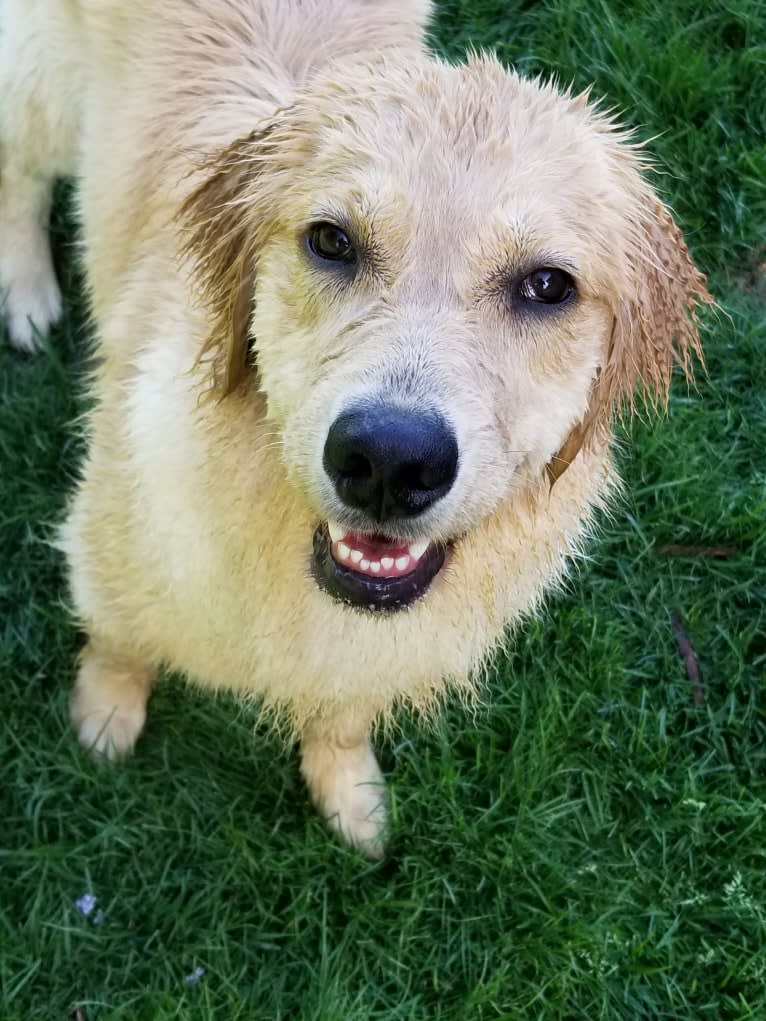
<point x="655" y="326"/>
<point x="656" y="322"/>
<point x="225" y="221"/>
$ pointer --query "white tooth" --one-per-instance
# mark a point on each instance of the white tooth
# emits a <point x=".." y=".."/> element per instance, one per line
<point x="343" y="551"/>
<point x="336" y="531"/>
<point x="356" y="556"/>
<point x="386" y="563"/>
<point x="375" y="566"/>
<point x="365" y="565"/>
<point x="417" y="549"/>
<point x="401" y="563"/>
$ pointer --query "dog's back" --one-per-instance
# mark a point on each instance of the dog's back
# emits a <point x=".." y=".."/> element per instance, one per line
<point x="86" y="91"/>
<point x="234" y="61"/>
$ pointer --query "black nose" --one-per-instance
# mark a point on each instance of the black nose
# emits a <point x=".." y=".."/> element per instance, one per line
<point x="390" y="462"/>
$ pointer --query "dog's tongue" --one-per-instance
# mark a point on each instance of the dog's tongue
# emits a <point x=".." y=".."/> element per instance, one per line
<point x="374" y="554"/>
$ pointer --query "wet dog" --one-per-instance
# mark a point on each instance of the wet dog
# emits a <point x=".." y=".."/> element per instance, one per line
<point x="364" y="320"/>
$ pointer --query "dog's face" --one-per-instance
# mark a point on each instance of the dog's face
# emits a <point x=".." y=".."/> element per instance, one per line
<point x="448" y="278"/>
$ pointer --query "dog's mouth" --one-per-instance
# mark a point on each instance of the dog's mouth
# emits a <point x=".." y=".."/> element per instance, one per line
<point x="372" y="570"/>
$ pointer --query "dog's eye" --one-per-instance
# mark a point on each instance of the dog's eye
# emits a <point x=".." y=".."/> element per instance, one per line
<point x="547" y="285"/>
<point x="330" y="242"/>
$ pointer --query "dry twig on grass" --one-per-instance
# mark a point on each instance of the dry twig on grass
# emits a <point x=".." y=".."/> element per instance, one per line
<point x="686" y="649"/>
<point x="717" y="552"/>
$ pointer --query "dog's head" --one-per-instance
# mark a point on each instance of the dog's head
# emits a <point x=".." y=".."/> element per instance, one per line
<point x="448" y="280"/>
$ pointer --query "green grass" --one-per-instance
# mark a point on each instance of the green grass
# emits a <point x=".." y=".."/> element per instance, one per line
<point x="592" y="845"/>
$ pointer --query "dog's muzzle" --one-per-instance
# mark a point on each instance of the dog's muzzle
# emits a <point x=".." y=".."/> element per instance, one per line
<point x="391" y="464"/>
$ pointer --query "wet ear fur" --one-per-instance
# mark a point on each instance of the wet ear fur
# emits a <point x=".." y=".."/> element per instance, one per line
<point x="655" y="326"/>
<point x="225" y="224"/>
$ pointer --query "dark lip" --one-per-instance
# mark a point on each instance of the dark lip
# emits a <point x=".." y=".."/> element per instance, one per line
<point x="369" y="593"/>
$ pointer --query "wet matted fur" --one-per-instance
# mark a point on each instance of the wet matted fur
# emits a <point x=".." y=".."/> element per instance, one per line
<point x="208" y="137"/>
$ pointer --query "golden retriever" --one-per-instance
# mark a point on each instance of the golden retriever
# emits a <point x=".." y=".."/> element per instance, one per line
<point x="364" y="321"/>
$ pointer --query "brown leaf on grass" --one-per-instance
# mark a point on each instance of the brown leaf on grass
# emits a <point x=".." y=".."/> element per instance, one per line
<point x="686" y="649"/>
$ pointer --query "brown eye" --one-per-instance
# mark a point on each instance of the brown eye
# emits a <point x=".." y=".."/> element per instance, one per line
<point x="547" y="285"/>
<point x="331" y="243"/>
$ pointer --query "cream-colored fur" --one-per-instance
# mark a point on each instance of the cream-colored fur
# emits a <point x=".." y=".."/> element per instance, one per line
<point x="211" y="134"/>
<point x="40" y="105"/>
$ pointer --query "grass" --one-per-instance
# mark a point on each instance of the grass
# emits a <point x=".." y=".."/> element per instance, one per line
<point x="593" y="844"/>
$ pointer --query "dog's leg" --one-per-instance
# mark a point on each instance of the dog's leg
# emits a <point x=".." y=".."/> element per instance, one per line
<point x="30" y="294"/>
<point x="108" y="704"/>
<point x="345" y="782"/>
<point x="39" y="121"/>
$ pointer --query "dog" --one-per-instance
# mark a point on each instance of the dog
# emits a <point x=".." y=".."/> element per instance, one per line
<point x="364" y="321"/>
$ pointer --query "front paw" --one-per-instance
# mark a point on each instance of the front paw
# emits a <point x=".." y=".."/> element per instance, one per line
<point x="31" y="300"/>
<point x="347" y="787"/>
<point x="108" y="703"/>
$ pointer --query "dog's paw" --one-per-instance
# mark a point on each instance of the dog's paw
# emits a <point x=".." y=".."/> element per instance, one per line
<point x="108" y="704"/>
<point x="356" y="811"/>
<point x="31" y="298"/>
<point x="108" y="732"/>
<point x="347" y="787"/>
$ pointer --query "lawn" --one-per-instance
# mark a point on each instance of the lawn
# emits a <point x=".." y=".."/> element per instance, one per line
<point x="591" y="844"/>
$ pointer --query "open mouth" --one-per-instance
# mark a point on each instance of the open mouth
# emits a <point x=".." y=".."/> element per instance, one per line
<point x="372" y="570"/>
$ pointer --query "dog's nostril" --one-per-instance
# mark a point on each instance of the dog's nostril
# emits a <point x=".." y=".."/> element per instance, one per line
<point x="390" y="462"/>
<point x="431" y="476"/>
<point x="413" y="475"/>
<point x="421" y="476"/>
<point x="357" y="466"/>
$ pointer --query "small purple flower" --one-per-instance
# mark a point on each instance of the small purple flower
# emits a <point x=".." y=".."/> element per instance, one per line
<point x="85" y="904"/>
<point x="196" y="975"/>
